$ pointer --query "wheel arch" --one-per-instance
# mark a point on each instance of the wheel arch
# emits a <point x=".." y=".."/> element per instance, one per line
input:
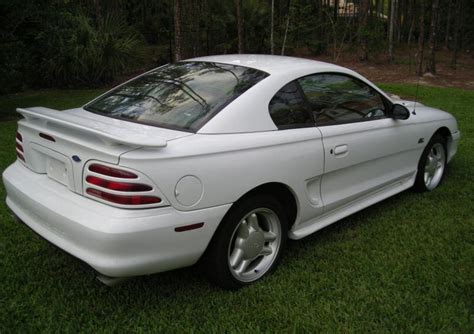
<point x="446" y="134"/>
<point x="211" y="261"/>
<point x="443" y="132"/>
<point x="283" y="193"/>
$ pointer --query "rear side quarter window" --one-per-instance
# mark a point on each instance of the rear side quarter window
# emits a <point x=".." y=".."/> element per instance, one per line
<point x="288" y="108"/>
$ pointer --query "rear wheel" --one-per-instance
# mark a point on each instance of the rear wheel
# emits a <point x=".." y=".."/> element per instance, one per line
<point x="432" y="165"/>
<point x="248" y="243"/>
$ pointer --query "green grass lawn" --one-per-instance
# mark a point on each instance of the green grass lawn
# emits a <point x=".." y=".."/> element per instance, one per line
<point x="56" y="99"/>
<point x="403" y="265"/>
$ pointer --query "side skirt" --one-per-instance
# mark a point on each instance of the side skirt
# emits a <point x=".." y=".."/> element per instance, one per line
<point x="308" y="227"/>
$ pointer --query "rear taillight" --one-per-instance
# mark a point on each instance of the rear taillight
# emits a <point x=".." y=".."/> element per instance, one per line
<point x="115" y="184"/>
<point x="19" y="147"/>
<point x="124" y="200"/>
<point x="114" y="172"/>
<point x="118" y="186"/>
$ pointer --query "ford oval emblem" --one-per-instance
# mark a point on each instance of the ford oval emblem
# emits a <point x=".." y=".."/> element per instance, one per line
<point x="76" y="158"/>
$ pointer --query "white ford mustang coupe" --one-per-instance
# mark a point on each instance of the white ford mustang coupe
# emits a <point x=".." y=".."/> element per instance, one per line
<point x="219" y="159"/>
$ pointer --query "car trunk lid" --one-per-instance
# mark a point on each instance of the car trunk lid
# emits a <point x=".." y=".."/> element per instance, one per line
<point x="59" y="143"/>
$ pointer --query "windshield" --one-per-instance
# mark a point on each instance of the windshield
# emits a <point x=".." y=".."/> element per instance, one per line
<point x="181" y="96"/>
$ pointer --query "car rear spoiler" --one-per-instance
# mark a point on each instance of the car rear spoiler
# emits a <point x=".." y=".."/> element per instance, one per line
<point x="109" y="134"/>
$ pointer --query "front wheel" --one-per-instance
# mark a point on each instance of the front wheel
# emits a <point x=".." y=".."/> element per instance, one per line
<point x="248" y="243"/>
<point x="432" y="165"/>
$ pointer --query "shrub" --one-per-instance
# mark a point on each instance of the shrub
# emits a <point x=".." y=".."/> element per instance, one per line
<point x="119" y="46"/>
<point x="71" y="50"/>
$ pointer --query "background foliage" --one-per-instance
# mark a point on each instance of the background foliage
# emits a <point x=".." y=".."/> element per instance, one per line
<point x="87" y="43"/>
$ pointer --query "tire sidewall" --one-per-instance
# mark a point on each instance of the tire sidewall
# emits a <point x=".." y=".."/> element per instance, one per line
<point x="420" y="185"/>
<point x="217" y="256"/>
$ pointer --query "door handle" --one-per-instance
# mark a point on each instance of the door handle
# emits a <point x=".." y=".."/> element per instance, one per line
<point x="340" y="149"/>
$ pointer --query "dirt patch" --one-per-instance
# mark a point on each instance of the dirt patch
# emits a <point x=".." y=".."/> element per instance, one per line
<point x="378" y="69"/>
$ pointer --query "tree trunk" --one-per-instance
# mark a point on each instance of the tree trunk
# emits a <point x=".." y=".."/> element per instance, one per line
<point x="364" y="8"/>
<point x="240" y="26"/>
<point x="412" y="22"/>
<point x="194" y="30"/>
<point x="391" y="29"/>
<point x="421" y="40"/>
<point x="178" y="36"/>
<point x="448" y="27"/>
<point x="412" y="13"/>
<point x="170" y="40"/>
<point x="336" y="8"/>
<point x="198" y="42"/>
<point x="457" y="31"/>
<point x="382" y="7"/>
<point x="320" y="22"/>
<point x="431" y="66"/>
<point x="208" y="14"/>
<point x="399" y="24"/>
<point x="271" y="28"/>
<point x="98" y="12"/>
<point x="406" y="20"/>
<point x="286" y="28"/>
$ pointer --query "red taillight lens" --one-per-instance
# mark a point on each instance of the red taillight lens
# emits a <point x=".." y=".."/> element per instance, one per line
<point x="109" y="171"/>
<point x="126" y="184"/>
<point x="119" y="186"/>
<point x="124" y="200"/>
<point x="19" y="147"/>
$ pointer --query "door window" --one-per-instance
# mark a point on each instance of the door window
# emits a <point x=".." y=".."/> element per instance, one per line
<point x="338" y="98"/>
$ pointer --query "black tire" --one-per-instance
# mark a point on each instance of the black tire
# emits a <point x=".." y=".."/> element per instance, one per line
<point x="420" y="184"/>
<point x="218" y="257"/>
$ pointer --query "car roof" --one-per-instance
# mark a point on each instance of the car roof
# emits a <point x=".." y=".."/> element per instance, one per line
<point x="249" y="112"/>
<point x="271" y="64"/>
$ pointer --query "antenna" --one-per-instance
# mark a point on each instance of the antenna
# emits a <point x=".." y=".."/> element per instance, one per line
<point x="419" y="76"/>
<point x="417" y="56"/>
<point x="416" y="95"/>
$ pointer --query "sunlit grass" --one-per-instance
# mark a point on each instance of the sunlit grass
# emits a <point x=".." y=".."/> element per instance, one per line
<point x="403" y="265"/>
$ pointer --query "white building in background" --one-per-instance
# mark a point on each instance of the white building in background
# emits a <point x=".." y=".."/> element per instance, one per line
<point x="349" y="8"/>
<point x="345" y="7"/>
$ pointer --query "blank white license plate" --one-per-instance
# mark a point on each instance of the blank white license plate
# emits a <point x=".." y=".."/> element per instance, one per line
<point x="57" y="170"/>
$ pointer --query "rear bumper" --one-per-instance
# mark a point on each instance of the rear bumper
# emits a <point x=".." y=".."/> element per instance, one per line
<point x="116" y="242"/>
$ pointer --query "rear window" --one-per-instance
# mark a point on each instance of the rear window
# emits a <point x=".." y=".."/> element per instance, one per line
<point x="181" y="96"/>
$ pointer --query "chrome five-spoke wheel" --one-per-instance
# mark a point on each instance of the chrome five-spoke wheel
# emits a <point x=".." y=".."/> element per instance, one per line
<point x="434" y="166"/>
<point x="248" y="242"/>
<point x="254" y="244"/>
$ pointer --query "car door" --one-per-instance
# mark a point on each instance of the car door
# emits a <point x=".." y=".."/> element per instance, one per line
<point x="291" y="114"/>
<point x="365" y="151"/>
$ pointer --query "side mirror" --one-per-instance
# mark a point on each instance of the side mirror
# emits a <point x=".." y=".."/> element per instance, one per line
<point x="400" y="112"/>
